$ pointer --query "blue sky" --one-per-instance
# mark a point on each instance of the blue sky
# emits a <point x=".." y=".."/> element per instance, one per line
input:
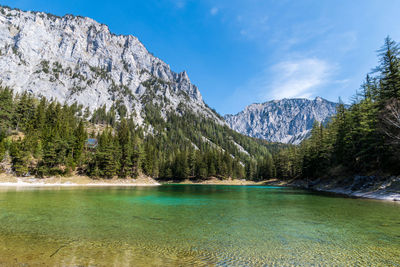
<point x="242" y="52"/>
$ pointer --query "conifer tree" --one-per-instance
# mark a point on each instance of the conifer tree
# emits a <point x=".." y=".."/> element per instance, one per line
<point x="80" y="135"/>
<point x="137" y="156"/>
<point x="20" y="158"/>
<point x="6" y="109"/>
<point x="389" y="70"/>
<point x="106" y="158"/>
<point x="124" y="140"/>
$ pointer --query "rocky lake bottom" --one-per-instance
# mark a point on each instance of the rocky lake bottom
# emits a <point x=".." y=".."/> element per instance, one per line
<point x="201" y="225"/>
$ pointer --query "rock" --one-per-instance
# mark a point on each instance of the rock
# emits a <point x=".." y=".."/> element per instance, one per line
<point x="314" y="183"/>
<point x="76" y="59"/>
<point x="362" y="182"/>
<point x="285" y="121"/>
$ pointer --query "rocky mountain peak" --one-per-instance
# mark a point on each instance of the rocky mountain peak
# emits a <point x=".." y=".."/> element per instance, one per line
<point x="76" y="59"/>
<point x="285" y="121"/>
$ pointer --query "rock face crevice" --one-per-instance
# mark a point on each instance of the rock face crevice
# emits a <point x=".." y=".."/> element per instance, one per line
<point x="286" y="121"/>
<point x="76" y="59"/>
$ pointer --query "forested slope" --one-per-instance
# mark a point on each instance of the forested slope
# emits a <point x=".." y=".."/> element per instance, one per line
<point x="45" y="138"/>
<point x="361" y="139"/>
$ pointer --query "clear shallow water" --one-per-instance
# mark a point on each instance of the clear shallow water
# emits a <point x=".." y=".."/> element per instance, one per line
<point x="195" y="225"/>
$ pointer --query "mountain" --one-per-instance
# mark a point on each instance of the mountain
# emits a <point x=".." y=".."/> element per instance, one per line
<point x="104" y="80"/>
<point x="286" y="121"/>
<point x="76" y="59"/>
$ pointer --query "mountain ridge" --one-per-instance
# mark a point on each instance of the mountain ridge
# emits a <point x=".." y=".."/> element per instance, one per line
<point x="287" y="120"/>
<point x="75" y="62"/>
<point x="77" y="59"/>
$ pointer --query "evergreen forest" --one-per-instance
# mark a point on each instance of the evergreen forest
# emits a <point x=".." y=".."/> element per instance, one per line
<point x="361" y="139"/>
<point x="43" y="137"/>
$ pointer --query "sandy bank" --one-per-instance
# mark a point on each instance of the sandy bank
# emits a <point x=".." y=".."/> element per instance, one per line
<point x="10" y="181"/>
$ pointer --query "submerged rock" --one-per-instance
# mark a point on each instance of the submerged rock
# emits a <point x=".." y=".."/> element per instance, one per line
<point x="362" y="182"/>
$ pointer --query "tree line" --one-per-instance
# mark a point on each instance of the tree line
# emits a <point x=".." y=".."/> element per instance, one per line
<point x="363" y="138"/>
<point x="43" y="138"/>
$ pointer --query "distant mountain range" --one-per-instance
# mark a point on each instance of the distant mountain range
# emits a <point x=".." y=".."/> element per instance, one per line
<point x="286" y="121"/>
<point x="76" y="59"/>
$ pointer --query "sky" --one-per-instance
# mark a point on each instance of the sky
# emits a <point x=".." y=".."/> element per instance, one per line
<point x="251" y="51"/>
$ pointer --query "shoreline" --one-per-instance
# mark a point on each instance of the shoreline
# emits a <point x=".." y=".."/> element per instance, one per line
<point x="386" y="191"/>
<point x="382" y="191"/>
<point x="215" y="181"/>
<point x="73" y="181"/>
<point x="393" y="197"/>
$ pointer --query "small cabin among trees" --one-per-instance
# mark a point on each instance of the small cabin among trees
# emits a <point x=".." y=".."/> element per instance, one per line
<point x="91" y="143"/>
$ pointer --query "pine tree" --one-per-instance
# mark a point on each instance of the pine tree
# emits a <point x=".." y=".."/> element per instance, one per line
<point x="24" y="112"/>
<point x="137" y="156"/>
<point x="192" y="162"/>
<point x="6" y="109"/>
<point x="339" y="128"/>
<point x="201" y="167"/>
<point x="390" y="70"/>
<point x="52" y="158"/>
<point x="370" y="88"/>
<point x="148" y="162"/>
<point x="80" y="137"/>
<point x="124" y="140"/>
<point x="19" y="158"/>
<point x="106" y="164"/>
<point x="2" y="150"/>
<point x="40" y="115"/>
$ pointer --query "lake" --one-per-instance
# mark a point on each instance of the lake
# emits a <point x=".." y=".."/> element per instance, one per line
<point x="201" y="225"/>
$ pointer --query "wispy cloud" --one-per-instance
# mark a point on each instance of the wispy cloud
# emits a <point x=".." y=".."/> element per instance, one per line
<point x="298" y="78"/>
<point x="214" y="11"/>
<point x="294" y="78"/>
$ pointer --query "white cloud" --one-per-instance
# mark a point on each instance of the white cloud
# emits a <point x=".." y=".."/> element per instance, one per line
<point x="214" y="11"/>
<point x="298" y="78"/>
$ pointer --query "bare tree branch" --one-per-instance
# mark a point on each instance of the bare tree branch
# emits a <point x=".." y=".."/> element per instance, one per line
<point x="391" y="120"/>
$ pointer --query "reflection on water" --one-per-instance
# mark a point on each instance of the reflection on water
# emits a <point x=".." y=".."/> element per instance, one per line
<point x="194" y="225"/>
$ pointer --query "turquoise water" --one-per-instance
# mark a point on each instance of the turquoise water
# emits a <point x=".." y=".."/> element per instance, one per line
<point x="201" y="225"/>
